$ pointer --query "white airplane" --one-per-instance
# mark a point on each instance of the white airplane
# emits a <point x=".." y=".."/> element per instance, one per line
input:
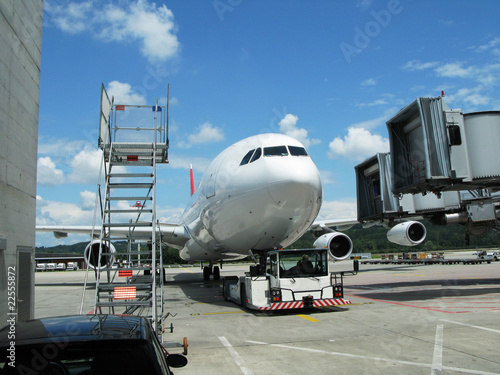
<point x="259" y="194"/>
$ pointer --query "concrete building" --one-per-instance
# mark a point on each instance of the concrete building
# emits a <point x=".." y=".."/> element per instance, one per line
<point x="20" y="56"/>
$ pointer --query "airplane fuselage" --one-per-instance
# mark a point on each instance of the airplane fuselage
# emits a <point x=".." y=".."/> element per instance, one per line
<point x="261" y="193"/>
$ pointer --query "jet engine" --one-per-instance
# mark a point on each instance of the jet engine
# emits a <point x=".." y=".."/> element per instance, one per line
<point x="339" y="245"/>
<point x="408" y="233"/>
<point x="91" y="254"/>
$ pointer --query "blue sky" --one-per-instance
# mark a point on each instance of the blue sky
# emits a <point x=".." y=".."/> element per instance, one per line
<point x="328" y="73"/>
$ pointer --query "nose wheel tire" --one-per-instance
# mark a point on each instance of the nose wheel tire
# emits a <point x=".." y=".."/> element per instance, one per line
<point x="206" y="273"/>
<point x="216" y="273"/>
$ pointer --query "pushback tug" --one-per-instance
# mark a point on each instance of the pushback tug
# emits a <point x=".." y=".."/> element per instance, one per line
<point x="288" y="279"/>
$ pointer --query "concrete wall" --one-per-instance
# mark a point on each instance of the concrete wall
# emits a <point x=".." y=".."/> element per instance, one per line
<point x="20" y="46"/>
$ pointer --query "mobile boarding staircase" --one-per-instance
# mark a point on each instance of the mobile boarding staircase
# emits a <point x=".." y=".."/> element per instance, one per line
<point x="134" y="140"/>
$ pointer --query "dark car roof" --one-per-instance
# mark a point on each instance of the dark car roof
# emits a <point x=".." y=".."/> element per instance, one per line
<point x="74" y="328"/>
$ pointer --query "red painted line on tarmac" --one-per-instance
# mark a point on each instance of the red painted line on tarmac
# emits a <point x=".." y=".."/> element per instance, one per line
<point x="469" y="307"/>
<point x="407" y="305"/>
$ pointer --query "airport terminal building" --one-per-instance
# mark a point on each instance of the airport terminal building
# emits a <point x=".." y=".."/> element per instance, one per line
<point x="20" y="46"/>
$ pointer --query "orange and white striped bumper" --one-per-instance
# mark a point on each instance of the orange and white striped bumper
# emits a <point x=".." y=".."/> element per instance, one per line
<point x="300" y="304"/>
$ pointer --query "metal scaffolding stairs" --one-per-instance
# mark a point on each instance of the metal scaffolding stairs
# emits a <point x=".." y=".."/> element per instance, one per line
<point x="135" y="287"/>
<point x="132" y="285"/>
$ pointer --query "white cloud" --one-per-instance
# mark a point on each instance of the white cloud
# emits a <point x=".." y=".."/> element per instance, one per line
<point x="490" y="46"/>
<point x="169" y="215"/>
<point x="72" y="18"/>
<point x="153" y="27"/>
<point x="373" y="103"/>
<point x="473" y="97"/>
<point x="205" y="133"/>
<point x="124" y="94"/>
<point x="199" y="164"/>
<point x="358" y="144"/>
<point x="477" y="82"/>
<point x="81" y="162"/>
<point x="373" y="123"/>
<point x="85" y="166"/>
<point x="62" y="213"/>
<point x="326" y="177"/>
<point x="334" y="210"/>
<point x="47" y="172"/>
<point x="455" y="70"/>
<point x="418" y="65"/>
<point x="60" y="147"/>
<point x="87" y="200"/>
<point x="288" y="126"/>
<point x="369" y="82"/>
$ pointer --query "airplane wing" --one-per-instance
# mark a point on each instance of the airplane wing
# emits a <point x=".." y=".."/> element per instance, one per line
<point x="335" y="224"/>
<point x="174" y="235"/>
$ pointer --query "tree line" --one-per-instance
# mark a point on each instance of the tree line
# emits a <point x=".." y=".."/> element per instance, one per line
<point x="365" y="240"/>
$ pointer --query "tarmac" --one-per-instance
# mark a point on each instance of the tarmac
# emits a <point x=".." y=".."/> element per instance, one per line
<point x="418" y="319"/>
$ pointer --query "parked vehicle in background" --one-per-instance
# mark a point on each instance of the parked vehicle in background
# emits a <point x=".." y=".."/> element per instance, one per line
<point x="41" y="267"/>
<point x="61" y="267"/>
<point x="51" y="267"/>
<point x="72" y="266"/>
<point x="488" y="255"/>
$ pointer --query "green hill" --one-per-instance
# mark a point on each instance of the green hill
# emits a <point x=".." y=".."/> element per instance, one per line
<point x="368" y="240"/>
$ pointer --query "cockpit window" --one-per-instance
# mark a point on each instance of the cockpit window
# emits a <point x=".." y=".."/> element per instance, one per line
<point x="258" y="153"/>
<point x="247" y="157"/>
<point x="297" y="151"/>
<point x="275" y="151"/>
<point x="251" y="156"/>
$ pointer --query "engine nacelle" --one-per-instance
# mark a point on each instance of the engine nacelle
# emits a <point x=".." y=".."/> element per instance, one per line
<point x="408" y="233"/>
<point x="91" y="254"/>
<point x="339" y="245"/>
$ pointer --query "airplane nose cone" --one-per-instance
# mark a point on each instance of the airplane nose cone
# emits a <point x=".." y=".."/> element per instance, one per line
<point x="297" y="183"/>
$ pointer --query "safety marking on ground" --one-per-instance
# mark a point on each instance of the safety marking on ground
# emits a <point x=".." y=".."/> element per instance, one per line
<point x="388" y="360"/>
<point x="236" y="357"/>
<point x="464" y="303"/>
<point x="437" y="358"/>
<point x="408" y="305"/>
<point x="307" y="318"/>
<point x="188" y="270"/>
<point x="472" y="326"/>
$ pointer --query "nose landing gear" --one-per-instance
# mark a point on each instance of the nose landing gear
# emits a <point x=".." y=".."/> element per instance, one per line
<point x="210" y="270"/>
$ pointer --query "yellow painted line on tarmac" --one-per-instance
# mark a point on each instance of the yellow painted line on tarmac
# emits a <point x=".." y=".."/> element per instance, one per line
<point x="188" y="270"/>
<point x="307" y="318"/>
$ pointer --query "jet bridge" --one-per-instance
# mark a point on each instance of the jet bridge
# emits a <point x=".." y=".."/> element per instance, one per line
<point x="435" y="148"/>
<point x="375" y="200"/>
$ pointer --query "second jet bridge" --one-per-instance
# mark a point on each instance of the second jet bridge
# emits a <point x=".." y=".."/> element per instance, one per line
<point x="435" y="148"/>
<point x="375" y="200"/>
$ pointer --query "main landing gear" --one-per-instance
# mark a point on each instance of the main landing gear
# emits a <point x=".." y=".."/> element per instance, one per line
<point x="210" y="270"/>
